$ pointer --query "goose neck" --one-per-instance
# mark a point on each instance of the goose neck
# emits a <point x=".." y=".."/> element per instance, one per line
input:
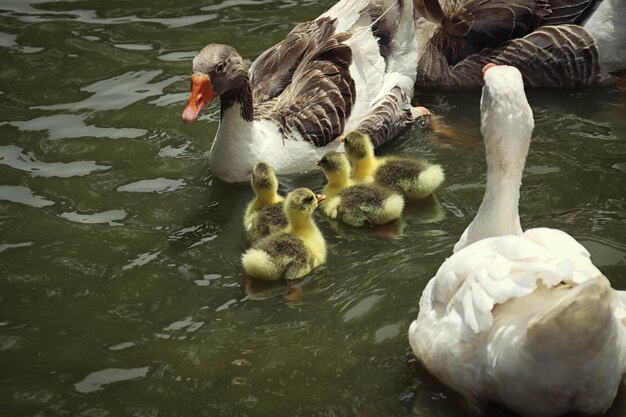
<point x="241" y="97"/>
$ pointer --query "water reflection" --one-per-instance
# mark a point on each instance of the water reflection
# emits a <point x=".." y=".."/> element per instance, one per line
<point x="119" y="92"/>
<point x="22" y="195"/>
<point x="67" y="126"/>
<point x="109" y="217"/>
<point x="15" y="157"/>
<point x="97" y="380"/>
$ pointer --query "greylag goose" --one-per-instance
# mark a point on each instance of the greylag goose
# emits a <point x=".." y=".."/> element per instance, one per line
<point x="523" y="319"/>
<point x="353" y="67"/>
<point x="554" y="43"/>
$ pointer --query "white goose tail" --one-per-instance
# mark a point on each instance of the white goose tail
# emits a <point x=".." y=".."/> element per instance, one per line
<point x="578" y="325"/>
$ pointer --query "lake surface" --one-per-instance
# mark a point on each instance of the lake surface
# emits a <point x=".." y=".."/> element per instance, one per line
<point x="121" y="291"/>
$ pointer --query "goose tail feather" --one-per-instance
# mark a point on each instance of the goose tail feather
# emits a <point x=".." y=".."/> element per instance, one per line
<point x="583" y="316"/>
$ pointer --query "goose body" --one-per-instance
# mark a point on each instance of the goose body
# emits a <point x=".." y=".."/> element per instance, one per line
<point x="356" y="204"/>
<point x="354" y="66"/>
<point x="294" y="252"/>
<point x="413" y="178"/>
<point x="553" y="43"/>
<point x="523" y="319"/>
<point x="265" y="214"/>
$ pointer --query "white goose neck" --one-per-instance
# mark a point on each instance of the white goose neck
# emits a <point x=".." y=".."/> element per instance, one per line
<point x="498" y="213"/>
<point x="507" y="125"/>
<point x="232" y="155"/>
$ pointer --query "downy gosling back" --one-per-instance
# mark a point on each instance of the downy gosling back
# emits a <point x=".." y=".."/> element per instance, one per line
<point x="294" y="252"/>
<point x="356" y="204"/>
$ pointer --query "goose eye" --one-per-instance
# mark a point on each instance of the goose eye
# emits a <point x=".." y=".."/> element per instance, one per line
<point x="310" y="199"/>
<point x="219" y="67"/>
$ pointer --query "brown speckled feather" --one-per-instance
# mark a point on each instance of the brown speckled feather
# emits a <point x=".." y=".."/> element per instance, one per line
<point x="304" y="82"/>
<point x="570" y="11"/>
<point x="390" y="115"/>
<point x="320" y="98"/>
<point x="273" y="70"/>
<point x="476" y="24"/>
<point x="557" y="56"/>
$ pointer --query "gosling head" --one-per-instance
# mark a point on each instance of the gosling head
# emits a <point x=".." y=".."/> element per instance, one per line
<point x="335" y="166"/>
<point x="357" y="145"/>
<point x="302" y="201"/>
<point x="263" y="180"/>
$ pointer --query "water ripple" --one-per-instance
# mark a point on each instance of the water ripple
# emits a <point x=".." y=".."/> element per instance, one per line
<point x="7" y="246"/>
<point x="67" y="126"/>
<point x="158" y="185"/>
<point x="8" y="40"/>
<point x="22" y="195"/>
<point x="15" y="157"/>
<point x="23" y="11"/>
<point x="96" y="380"/>
<point x="108" y="217"/>
<point x="118" y="92"/>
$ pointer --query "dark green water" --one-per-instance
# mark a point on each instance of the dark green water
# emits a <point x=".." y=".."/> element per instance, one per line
<point x="121" y="291"/>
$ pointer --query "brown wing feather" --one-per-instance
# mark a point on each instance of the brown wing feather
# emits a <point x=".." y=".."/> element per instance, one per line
<point x="551" y="56"/>
<point x="388" y="117"/>
<point x="495" y="21"/>
<point x="473" y="25"/>
<point x="320" y="98"/>
<point x="570" y="11"/>
<point x="273" y="70"/>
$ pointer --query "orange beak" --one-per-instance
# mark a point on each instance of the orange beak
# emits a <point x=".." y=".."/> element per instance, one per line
<point x="201" y="94"/>
<point x="342" y="138"/>
<point x="490" y="65"/>
<point x="320" y="197"/>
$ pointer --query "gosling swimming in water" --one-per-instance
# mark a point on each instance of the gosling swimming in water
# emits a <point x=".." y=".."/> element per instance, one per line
<point x="414" y="178"/>
<point x="294" y="252"/>
<point x="355" y="204"/>
<point x="264" y="214"/>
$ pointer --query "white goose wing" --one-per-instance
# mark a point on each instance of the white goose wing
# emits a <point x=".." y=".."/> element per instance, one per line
<point x="493" y="271"/>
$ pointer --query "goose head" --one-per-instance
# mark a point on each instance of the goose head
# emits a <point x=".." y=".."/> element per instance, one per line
<point x="335" y="166"/>
<point x="264" y="181"/>
<point x="301" y="203"/>
<point x="358" y="146"/>
<point x="216" y="70"/>
<point x="506" y="117"/>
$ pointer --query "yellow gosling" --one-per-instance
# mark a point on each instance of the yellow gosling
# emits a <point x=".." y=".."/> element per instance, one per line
<point x="294" y="252"/>
<point x="414" y="178"/>
<point x="356" y="204"/>
<point x="360" y="152"/>
<point x="264" y="214"/>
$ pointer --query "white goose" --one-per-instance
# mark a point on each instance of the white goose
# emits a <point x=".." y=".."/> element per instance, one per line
<point x="554" y="43"/>
<point x="521" y="319"/>
<point x="352" y="68"/>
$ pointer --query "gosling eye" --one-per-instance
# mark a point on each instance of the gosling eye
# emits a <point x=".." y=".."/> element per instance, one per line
<point x="310" y="199"/>
<point x="219" y="67"/>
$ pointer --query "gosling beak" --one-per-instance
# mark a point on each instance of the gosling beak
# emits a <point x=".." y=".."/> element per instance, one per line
<point x="201" y="94"/>
<point x="486" y="67"/>
<point x="318" y="164"/>
<point x="320" y="197"/>
<point x="342" y="138"/>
